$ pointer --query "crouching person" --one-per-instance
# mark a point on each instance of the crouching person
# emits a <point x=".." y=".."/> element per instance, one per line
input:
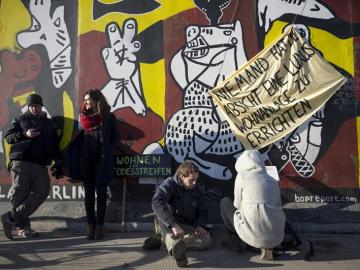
<point x="256" y="215"/>
<point x="179" y="206"/>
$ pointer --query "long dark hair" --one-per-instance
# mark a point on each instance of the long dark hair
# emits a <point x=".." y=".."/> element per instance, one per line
<point x="101" y="103"/>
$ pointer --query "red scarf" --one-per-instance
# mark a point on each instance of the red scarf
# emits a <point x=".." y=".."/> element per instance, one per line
<point x="90" y="120"/>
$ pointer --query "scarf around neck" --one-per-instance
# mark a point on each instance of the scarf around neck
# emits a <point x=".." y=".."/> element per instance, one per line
<point x="90" y="120"/>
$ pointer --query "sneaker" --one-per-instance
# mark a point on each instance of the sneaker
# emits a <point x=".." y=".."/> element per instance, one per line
<point x="179" y="253"/>
<point x="27" y="233"/>
<point x="152" y="242"/>
<point x="7" y="225"/>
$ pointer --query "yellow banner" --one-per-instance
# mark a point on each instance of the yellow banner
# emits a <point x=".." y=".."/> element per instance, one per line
<point x="276" y="91"/>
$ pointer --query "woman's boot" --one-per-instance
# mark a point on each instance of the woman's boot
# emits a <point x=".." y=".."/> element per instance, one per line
<point x="99" y="232"/>
<point x="90" y="232"/>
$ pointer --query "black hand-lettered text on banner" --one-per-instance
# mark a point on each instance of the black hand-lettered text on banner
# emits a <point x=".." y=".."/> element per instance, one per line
<point x="276" y="91"/>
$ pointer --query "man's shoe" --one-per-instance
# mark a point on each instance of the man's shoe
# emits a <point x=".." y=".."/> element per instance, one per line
<point x="7" y="224"/>
<point x="27" y="233"/>
<point x="182" y="262"/>
<point x="152" y="242"/>
<point x="179" y="253"/>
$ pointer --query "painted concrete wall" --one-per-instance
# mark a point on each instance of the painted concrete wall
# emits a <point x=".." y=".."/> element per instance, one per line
<point x="151" y="58"/>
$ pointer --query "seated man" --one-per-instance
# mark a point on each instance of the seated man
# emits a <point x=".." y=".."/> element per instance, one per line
<point x="179" y="206"/>
<point x="256" y="215"/>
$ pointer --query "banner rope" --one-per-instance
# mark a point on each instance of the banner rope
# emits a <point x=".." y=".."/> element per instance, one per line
<point x="292" y="24"/>
<point x="235" y="11"/>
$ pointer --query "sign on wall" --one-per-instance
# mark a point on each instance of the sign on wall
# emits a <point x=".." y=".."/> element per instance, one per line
<point x="143" y="166"/>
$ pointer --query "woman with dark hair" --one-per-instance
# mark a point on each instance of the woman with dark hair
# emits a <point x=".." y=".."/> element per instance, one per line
<point x="97" y="141"/>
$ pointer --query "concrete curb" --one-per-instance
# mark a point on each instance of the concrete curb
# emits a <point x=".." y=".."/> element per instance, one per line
<point x="70" y="215"/>
<point x="326" y="228"/>
<point x="149" y="227"/>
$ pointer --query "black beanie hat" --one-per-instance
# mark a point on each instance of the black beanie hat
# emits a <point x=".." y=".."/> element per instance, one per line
<point x="34" y="99"/>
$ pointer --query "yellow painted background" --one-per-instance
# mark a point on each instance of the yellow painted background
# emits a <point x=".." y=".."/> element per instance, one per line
<point x="335" y="50"/>
<point x="10" y="25"/>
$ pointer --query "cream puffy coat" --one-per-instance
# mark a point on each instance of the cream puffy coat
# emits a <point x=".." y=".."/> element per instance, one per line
<point x="259" y="219"/>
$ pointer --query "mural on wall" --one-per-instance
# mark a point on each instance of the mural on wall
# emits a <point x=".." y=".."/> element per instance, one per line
<point x="109" y="38"/>
<point x="196" y="130"/>
<point x="270" y="11"/>
<point x="306" y="145"/>
<point x="50" y="31"/>
<point x="156" y="60"/>
<point x="36" y="56"/>
<point x="314" y="143"/>
<point x="211" y="54"/>
<point x="124" y="88"/>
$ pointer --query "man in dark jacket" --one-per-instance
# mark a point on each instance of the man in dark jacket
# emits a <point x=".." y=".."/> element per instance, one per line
<point x="34" y="144"/>
<point x="179" y="206"/>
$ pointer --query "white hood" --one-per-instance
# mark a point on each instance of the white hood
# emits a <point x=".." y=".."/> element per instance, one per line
<point x="250" y="161"/>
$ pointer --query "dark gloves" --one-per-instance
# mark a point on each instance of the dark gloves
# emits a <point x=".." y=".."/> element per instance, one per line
<point x="56" y="171"/>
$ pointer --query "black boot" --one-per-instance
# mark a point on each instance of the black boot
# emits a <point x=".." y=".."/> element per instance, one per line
<point x="233" y="243"/>
<point x="179" y="253"/>
<point x="99" y="232"/>
<point x="152" y="242"/>
<point x="90" y="232"/>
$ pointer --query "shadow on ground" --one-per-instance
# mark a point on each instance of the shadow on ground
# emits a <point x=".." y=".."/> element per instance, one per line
<point x="65" y="249"/>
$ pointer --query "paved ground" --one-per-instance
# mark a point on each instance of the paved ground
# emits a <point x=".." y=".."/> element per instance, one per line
<point x="69" y="250"/>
